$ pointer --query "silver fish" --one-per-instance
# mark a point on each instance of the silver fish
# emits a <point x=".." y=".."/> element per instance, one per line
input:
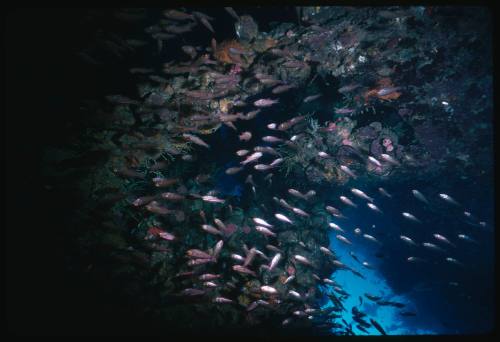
<point x="389" y="159"/>
<point x="408" y="240"/>
<point x="361" y="194"/>
<point x="261" y="222"/>
<point x="262" y="167"/>
<point x="343" y="239"/>
<point x="455" y="261"/>
<point x="289" y="279"/>
<point x="411" y="217"/>
<point x="245" y="136"/>
<point x="334" y="211"/>
<point x="348" y="201"/>
<point x="276" y="162"/>
<point x="272" y="126"/>
<point x="194" y="139"/>
<point x="326" y="251"/>
<point x="443" y="239"/>
<point x="348" y="171"/>
<point x="384" y="193"/>
<point x="274" y="261"/>
<point x="311" y="98"/>
<point x="415" y="259"/>
<point x="222" y="300"/>
<point x="433" y="246"/>
<point x="283" y="218"/>
<point x="419" y="196"/>
<point x="374" y="161"/>
<point x="467" y="238"/>
<point x="243" y="269"/>
<point x="449" y="199"/>
<point x="374" y="208"/>
<point x="371" y="238"/>
<point x="268" y="289"/>
<point x="237" y="257"/>
<point x="301" y="259"/>
<point x="218" y="248"/>
<point x="323" y="154"/>
<point x="233" y="170"/>
<point x="253" y="157"/>
<point x="264" y="231"/>
<point x="294" y="294"/>
<point x="271" y="139"/>
<point x="357" y="231"/>
<point x="336" y="227"/>
<point x="387" y="91"/>
<point x="296" y="193"/>
<point x="300" y="212"/>
<point x="211" y="229"/>
<point x="265" y="102"/>
<point x="212" y="199"/>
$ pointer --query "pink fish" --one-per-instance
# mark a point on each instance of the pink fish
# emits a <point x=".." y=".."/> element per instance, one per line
<point x="265" y="102"/>
<point x="243" y="269"/>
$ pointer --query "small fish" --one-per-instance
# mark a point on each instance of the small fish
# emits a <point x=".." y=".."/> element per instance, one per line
<point x="387" y="91"/>
<point x="367" y="265"/>
<point x="245" y="136"/>
<point x="289" y="279"/>
<point x="253" y="157"/>
<point x="196" y="262"/>
<point x="209" y="276"/>
<point x="303" y="260"/>
<point x="252" y="306"/>
<point x="217" y="249"/>
<point x="194" y="139"/>
<point x="243" y="270"/>
<point x="311" y="98"/>
<point x="250" y="256"/>
<point x="212" y="199"/>
<point x="348" y="171"/>
<point x="271" y="139"/>
<point x="334" y="211"/>
<point x="343" y="110"/>
<point x="433" y="247"/>
<point x="415" y="259"/>
<point x="378" y="326"/>
<point x="300" y="212"/>
<point x="262" y="167"/>
<point x="374" y="161"/>
<point x="282" y="88"/>
<point x="172" y="196"/>
<point x="268" y="289"/>
<point x="232" y="13"/>
<point x="371" y="238"/>
<point x="455" y="261"/>
<point x="411" y="217"/>
<point x="211" y="229"/>
<point x="449" y="199"/>
<point x="348" y="201"/>
<point x="294" y="294"/>
<point x="361" y="194"/>
<point x="265" y="231"/>
<point x="192" y="292"/>
<point x="241" y="153"/>
<point x="222" y="300"/>
<point x="374" y="208"/>
<point x="272" y="126"/>
<point x="276" y="162"/>
<point x="336" y="227"/>
<point x="237" y="257"/>
<point x="372" y="297"/>
<point x="326" y="251"/>
<point x="467" y="238"/>
<point x="444" y="239"/>
<point x="343" y="239"/>
<point x="274" y="261"/>
<point x="323" y="154"/>
<point x="357" y="231"/>
<point x="384" y="193"/>
<point x="351" y="253"/>
<point x="348" y="88"/>
<point x="196" y="253"/>
<point x="283" y="218"/>
<point x="408" y="240"/>
<point x="419" y="196"/>
<point x="177" y="15"/>
<point x="265" y="102"/>
<point x="261" y="222"/>
<point x="274" y="249"/>
<point x="389" y="159"/>
<point x="233" y="170"/>
<point x="164" y="182"/>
